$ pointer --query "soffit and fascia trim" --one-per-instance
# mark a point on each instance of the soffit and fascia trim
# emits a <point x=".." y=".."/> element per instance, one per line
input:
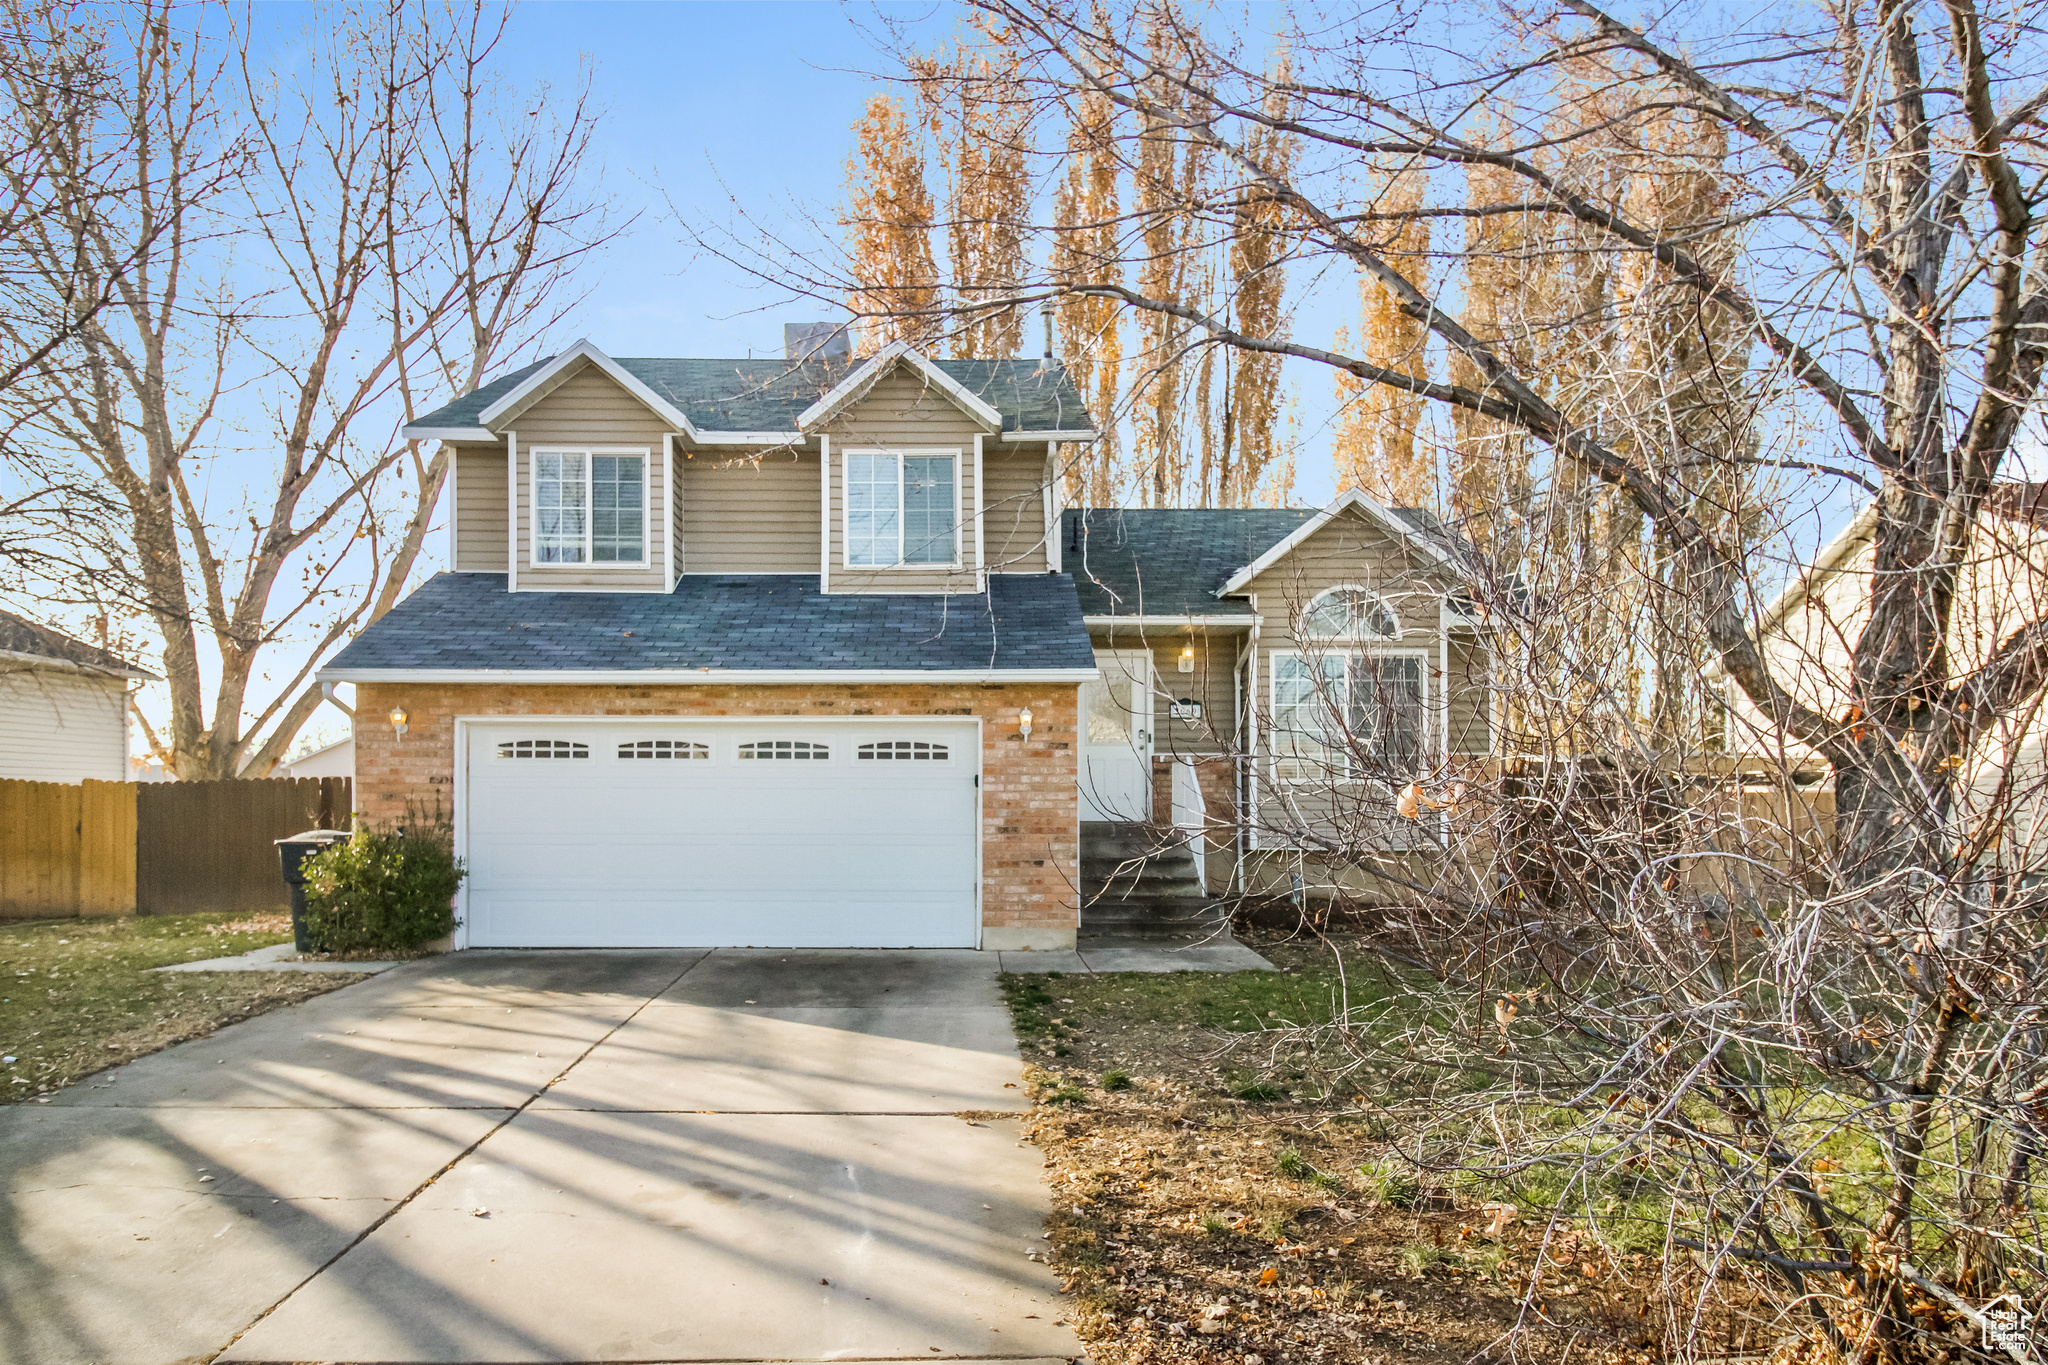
<point x="1234" y="622"/>
<point x="675" y="677"/>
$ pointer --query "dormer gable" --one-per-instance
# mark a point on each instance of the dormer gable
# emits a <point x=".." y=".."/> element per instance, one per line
<point x="744" y="467"/>
<point x="849" y="391"/>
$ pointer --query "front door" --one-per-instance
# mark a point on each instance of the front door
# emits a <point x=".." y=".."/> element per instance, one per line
<point x="1116" y="739"/>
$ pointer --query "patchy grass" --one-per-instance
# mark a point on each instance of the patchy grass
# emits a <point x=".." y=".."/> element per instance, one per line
<point x="1210" y="1206"/>
<point x="78" y="996"/>
<point x="1181" y="1023"/>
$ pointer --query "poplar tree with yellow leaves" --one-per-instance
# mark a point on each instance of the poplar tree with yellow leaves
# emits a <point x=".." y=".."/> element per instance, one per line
<point x="1085" y="252"/>
<point x="1379" y="445"/>
<point x="980" y="133"/>
<point x="893" y="290"/>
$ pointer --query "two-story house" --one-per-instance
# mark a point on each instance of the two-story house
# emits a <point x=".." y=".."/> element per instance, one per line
<point x="806" y="652"/>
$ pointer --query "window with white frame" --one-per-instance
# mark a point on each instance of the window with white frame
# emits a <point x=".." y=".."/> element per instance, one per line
<point x="1342" y="716"/>
<point x="1350" y="614"/>
<point x="901" y="509"/>
<point x="589" y="507"/>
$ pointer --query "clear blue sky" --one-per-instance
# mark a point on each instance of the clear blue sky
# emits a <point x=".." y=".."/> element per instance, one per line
<point x="705" y="100"/>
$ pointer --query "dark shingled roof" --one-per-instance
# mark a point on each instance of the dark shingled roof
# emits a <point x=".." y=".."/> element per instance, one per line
<point x="725" y="621"/>
<point x="1170" y="561"/>
<point x="767" y="395"/>
<point x="1167" y="561"/>
<point x="21" y="636"/>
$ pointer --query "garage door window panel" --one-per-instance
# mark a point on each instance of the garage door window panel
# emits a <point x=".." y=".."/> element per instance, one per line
<point x="543" y="748"/>
<point x="903" y="749"/>
<point x="785" y="749"/>
<point x="665" y="749"/>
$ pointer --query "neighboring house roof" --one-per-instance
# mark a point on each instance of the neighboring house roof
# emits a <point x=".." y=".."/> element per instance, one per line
<point x="24" y="639"/>
<point x="1168" y="561"/>
<point x="723" y="628"/>
<point x="768" y="396"/>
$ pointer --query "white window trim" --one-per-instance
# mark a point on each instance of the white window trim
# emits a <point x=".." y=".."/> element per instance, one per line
<point x="1274" y="757"/>
<point x="1400" y="629"/>
<point x="645" y="564"/>
<point x="901" y="453"/>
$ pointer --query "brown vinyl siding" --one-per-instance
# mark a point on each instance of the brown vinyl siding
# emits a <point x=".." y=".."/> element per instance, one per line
<point x="1355" y="550"/>
<point x="1471" y="698"/>
<point x="903" y="413"/>
<point x="1013" y="518"/>
<point x="590" y="409"/>
<point x="745" y="514"/>
<point x="479" y="509"/>
<point x="1210" y="684"/>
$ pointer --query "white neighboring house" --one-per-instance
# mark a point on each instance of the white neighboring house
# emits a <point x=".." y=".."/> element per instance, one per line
<point x="329" y="760"/>
<point x="1807" y="635"/>
<point x="63" y="706"/>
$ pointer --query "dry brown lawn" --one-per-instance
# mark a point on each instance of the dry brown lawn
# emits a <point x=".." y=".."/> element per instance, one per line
<point x="1202" y="1213"/>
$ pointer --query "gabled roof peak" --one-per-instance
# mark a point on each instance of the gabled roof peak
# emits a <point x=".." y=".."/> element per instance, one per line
<point x="1350" y="499"/>
<point x="759" y="400"/>
<point x="866" y="374"/>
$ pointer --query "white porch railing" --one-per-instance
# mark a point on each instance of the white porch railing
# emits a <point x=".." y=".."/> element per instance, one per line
<point x="1191" y="816"/>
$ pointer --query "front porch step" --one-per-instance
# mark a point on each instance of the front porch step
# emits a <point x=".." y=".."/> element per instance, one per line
<point x="1139" y="880"/>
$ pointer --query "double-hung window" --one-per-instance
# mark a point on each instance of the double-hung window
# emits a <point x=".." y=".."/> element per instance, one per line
<point x="1342" y="716"/>
<point x="901" y="509"/>
<point x="589" y="507"/>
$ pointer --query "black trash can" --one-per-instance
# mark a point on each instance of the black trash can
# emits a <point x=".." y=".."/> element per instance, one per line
<point x="291" y="855"/>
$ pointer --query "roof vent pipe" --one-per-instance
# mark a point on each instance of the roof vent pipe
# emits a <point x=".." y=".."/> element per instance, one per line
<point x="1046" y="313"/>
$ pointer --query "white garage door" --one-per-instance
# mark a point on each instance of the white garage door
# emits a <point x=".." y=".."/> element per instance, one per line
<point x="597" y="834"/>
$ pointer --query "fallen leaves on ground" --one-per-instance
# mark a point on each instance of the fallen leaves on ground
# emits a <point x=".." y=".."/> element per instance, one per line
<point x="1190" y="1224"/>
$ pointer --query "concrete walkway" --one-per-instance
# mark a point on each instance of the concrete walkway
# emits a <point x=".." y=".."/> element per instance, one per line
<point x="682" y="1156"/>
<point x="278" y="957"/>
<point x="1218" y="954"/>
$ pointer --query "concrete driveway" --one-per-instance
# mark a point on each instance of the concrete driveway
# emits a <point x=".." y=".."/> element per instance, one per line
<point x="593" y="1156"/>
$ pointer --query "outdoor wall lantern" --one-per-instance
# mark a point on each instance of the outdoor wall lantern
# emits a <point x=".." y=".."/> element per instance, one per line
<point x="1187" y="658"/>
<point x="1024" y="722"/>
<point x="398" y="722"/>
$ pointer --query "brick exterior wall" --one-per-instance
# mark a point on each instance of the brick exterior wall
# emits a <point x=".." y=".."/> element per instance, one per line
<point x="1030" y="851"/>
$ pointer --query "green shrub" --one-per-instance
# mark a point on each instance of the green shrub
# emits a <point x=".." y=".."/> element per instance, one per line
<point x="383" y="890"/>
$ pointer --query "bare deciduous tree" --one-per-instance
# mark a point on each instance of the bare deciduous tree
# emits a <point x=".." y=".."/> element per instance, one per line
<point x="310" y="258"/>
<point x="1773" y="1016"/>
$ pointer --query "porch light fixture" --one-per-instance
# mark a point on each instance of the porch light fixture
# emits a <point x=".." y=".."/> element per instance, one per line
<point x="1187" y="658"/>
<point x="1024" y="722"/>
<point x="398" y="722"/>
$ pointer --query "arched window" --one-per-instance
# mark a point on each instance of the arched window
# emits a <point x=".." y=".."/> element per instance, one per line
<point x="1350" y="614"/>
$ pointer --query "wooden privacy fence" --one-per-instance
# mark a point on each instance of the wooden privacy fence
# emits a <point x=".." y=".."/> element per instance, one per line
<point x="155" y="848"/>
